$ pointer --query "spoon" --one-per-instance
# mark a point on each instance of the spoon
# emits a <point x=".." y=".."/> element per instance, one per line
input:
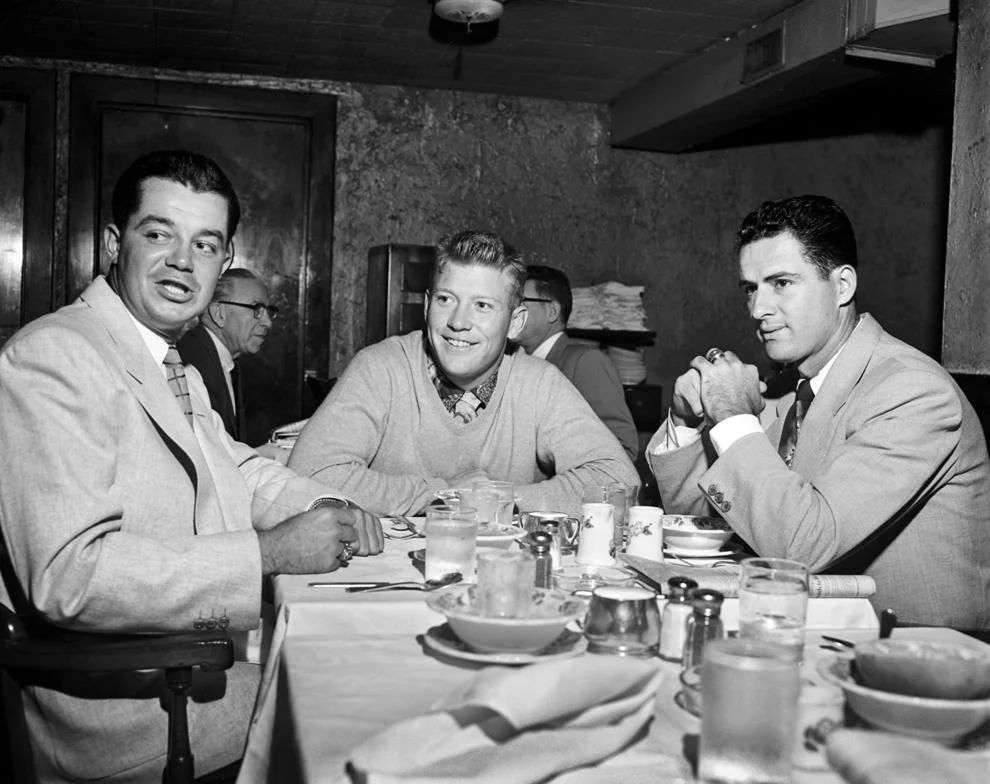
<point x="409" y="585"/>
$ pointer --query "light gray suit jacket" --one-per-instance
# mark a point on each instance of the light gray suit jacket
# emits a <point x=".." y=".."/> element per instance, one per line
<point x="890" y="477"/>
<point x="117" y="517"/>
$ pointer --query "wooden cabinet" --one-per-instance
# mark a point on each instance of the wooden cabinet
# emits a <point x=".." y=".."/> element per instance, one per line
<point x="398" y="277"/>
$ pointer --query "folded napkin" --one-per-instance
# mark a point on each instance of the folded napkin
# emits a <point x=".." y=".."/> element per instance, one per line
<point x="517" y="725"/>
<point x="726" y="579"/>
<point x="873" y="757"/>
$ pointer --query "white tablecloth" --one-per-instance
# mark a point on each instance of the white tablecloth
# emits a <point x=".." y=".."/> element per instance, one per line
<point x="345" y="666"/>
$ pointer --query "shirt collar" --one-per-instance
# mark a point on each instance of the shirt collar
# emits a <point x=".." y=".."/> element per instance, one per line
<point x="543" y="349"/>
<point x="819" y="379"/>
<point x="156" y="344"/>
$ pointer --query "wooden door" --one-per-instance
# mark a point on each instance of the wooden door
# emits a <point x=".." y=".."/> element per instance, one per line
<point x="278" y="149"/>
<point x="27" y="163"/>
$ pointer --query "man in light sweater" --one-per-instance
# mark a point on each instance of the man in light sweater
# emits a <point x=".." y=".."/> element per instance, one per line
<point x="448" y="406"/>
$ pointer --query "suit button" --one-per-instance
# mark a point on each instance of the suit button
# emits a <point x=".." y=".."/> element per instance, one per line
<point x="726" y="506"/>
<point x="199" y="625"/>
<point x="718" y="498"/>
<point x="211" y="623"/>
<point x="712" y="489"/>
<point x="223" y="622"/>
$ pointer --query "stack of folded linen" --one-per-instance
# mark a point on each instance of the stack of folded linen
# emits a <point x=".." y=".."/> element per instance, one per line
<point x="630" y="364"/>
<point x="612" y="306"/>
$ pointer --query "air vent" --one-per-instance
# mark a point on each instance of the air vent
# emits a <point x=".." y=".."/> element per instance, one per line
<point x="763" y="56"/>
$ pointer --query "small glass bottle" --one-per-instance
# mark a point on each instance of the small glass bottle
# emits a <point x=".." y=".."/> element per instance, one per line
<point x="704" y="625"/>
<point x="673" y="626"/>
<point x="541" y="546"/>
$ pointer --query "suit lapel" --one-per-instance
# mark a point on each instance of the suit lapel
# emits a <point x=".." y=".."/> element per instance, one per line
<point x="818" y="428"/>
<point x="147" y="383"/>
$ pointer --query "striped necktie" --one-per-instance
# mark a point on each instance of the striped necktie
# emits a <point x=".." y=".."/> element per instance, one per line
<point x="792" y="422"/>
<point x="176" y="377"/>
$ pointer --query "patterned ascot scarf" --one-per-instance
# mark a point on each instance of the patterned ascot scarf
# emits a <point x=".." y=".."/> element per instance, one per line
<point x="462" y="405"/>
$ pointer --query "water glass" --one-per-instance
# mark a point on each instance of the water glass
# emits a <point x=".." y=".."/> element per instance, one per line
<point x="624" y="621"/>
<point x="451" y="533"/>
<point x="773" y="602"/>
<point x="497" y="511"/>
<point x="749" y="696"/>
<point x="505" y="582"/>
<point x="595" y="543"/>
<point x="645" y="532"/>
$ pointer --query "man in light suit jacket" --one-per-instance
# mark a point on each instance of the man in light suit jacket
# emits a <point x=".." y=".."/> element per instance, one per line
<point x="125" y="506"/>
<point x="235" y="323"/>
<point x="888" y="475"/>
<point x="547" y="296"/>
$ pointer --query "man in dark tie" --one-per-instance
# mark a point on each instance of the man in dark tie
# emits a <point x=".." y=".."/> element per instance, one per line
<point x="876" y="463"/>
<point x="235" y="323"/>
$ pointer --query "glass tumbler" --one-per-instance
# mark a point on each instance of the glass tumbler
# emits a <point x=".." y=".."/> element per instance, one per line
<point x="451" y="533"/>
<point x="773" y="602"/>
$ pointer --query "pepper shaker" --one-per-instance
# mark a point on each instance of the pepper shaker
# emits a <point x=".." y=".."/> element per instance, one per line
<point x="704" y="625"/>
<point x="541" y="546"/>
<point x="673" y="627"/>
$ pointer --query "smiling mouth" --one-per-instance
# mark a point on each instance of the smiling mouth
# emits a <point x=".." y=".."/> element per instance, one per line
<point x="456" y="343"/>
<point x="174" y="290"/>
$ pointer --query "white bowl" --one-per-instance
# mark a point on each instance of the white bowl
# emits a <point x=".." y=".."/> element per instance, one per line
<point x="690" y="533"/>
<point x="550" y="612"/>
<point x="942" y="721"/>
<point x="922" y="668"/>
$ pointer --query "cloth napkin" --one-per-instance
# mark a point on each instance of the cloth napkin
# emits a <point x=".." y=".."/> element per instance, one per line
<point x="873" y="757"/>
<point x="517" y="725"/>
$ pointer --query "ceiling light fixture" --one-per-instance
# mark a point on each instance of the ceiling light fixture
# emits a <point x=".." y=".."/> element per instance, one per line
<point x="465" y="22"/>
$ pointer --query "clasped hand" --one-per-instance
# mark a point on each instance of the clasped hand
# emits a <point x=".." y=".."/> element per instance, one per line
<point x="312" y="542"/>
<point x="710" y="392"/>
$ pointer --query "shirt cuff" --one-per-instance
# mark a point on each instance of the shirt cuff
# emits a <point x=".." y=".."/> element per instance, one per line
<point x="730" y="430"/>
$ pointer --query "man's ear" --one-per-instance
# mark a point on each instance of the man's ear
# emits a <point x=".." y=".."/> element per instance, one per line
<point x="846" y="279"/>
<point x="217" y="313"/>
<point x="517" y="322"/>
<point x="553" y="311"/>
<point x="111" y="241"/>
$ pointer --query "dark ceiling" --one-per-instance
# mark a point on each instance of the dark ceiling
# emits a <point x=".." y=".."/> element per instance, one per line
<point x="574" y="50"/>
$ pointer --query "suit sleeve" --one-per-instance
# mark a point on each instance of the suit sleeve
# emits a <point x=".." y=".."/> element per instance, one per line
<point x="901" y="438"/>
<point x="597" y="379"/>
<point x="84" y="558"/>
<point x="338" y="443"/>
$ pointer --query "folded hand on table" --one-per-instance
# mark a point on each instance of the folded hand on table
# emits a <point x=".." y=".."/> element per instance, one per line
<point x="518" y="725"/>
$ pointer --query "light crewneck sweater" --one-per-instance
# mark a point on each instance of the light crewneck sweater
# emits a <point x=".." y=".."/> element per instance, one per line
<point x="384" y="438"/>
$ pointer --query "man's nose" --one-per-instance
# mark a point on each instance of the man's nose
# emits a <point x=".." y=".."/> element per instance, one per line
<point x="179" y="258"/>
<point x="460" y="317"/>
<point x="759" y="305"/>
<point x="266" y="320"/>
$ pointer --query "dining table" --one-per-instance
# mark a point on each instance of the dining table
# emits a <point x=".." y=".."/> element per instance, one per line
<point x="343" y="666"/>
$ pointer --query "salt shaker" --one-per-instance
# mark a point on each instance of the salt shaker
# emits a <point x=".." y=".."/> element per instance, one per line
<point x="541" y="546"/>
<point x="673" y="628"/>
<point x="704" y="625"/>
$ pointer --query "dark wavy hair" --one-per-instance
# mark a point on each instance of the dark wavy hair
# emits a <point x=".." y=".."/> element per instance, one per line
<point x="191" y="169"/>
<point x="817" y="222"/>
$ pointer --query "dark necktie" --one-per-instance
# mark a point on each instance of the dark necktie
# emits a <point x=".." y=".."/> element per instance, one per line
<point x="176" y="377"/>
<point x="793" y="420"/>
<point x="235" y="382"/>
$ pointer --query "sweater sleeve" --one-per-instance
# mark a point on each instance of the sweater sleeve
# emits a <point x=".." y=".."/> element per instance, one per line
<point x="338" y="444"/>
<point x="574" y="444"/>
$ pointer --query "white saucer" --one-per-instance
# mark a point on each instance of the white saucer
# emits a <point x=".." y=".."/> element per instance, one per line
<point x="725" y="552"/>
<point x="442" y="640"/>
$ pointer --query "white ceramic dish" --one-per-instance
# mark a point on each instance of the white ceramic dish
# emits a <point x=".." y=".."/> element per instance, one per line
<point x="550" y="611"/>
<point x="942" y="721"/>
<point x="718" y="552"/>
<point x="443" y="640"/>
<point x="695" y="534"/>
<point x="502" y="536"/>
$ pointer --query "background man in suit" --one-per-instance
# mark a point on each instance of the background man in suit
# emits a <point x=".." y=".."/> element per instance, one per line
<point x="888" y="475"/>
<point x="125" y="506"/>
<point x="236" y="322"/>
<point x="417" y="413"/>
<point x="547" y="296"/>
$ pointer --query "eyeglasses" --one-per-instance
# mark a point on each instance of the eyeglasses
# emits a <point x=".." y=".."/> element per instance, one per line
<point x="536" y="299"/>
<point x="258" y="307"/>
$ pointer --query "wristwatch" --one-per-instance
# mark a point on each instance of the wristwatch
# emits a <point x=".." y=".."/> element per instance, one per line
<point x="328" y="500"/>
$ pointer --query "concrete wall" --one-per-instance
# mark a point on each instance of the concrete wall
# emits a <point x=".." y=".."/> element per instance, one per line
<point x="413" y="165"/>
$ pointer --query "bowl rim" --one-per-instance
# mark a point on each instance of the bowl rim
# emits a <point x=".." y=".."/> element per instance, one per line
<point x="580" y="605"/>
<point x="968" y="652"/>
<point x="844" y="680"/>
<point x="667" y="524"/>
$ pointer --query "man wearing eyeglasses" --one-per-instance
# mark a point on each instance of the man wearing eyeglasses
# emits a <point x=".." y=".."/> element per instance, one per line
<point x="235" y="323"/>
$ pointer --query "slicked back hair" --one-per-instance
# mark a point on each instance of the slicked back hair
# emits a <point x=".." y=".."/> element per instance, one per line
<point x="552" y="283"/>
<point x="225" y="285"/>
<point x="191" y="169"/>
<point x="486" y="250"/>
<point x="817" y="222"/>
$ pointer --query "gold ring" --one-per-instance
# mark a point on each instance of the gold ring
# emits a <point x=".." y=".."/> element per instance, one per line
<point x="714" y="354"/>
<point x="347" y="553"/>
